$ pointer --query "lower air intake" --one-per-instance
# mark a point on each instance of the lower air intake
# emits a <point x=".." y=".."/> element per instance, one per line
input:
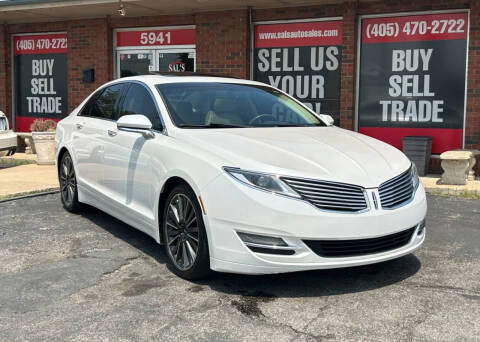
<point x="351" y="248"/>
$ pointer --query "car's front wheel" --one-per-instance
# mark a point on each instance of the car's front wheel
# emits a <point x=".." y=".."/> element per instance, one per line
<point x="184" y="234"/>
<point x="68" y="184"/>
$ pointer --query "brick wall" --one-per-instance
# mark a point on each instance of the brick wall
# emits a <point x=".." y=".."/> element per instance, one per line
<point x="472" y="129"/>
<point x="223" y="44"/>
<point x="3" y="72"/>
<point x="89" y="47"/>
<point x="162" y="20"/>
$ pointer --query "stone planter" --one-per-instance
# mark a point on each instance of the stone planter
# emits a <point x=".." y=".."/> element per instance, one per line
<point x="44" y="143"/>
<point x="25" y="139"/>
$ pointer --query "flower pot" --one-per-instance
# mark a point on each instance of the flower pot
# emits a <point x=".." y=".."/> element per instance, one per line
<point x="45" y="147"/>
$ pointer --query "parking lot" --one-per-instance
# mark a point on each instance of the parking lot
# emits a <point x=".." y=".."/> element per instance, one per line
<point x="90" y="277"/>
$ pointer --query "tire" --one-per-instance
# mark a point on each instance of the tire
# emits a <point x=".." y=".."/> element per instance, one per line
<point x="68" y="184"/>
<point x="184" y="236"/>
<point x="12" y="151"/>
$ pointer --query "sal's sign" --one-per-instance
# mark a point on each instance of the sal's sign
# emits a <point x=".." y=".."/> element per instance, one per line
<point x="303" y="59"/>
<point x="412" y="78"/>
<point x="40" y="76"/>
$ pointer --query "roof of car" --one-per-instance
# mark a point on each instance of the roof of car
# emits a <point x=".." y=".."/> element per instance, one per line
<point x="192" y="77"/>
<point x="188" y="73"/>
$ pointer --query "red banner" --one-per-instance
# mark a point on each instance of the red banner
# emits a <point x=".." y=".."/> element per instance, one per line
<point x="23" y="123"/>
<point x="415" y="28"/>
<point x="156" y="37"/>
<point x="316" y="33"/>
<point x="443" y="139"/>
<point x="40" y="44"/>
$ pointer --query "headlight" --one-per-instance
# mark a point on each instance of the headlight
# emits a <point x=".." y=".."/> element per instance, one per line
<point x="415" y="179"/>
<point x="263" y="181"/>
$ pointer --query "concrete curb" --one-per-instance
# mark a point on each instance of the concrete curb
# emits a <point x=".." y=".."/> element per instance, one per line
<point x="28" y="195"/>
<point x="464" y="193"/>
<point x="433" y="186"/>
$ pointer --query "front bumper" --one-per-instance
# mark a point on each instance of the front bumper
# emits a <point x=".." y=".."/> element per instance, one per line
<point x="8" y="140"/>
<point x="232" y="207"/>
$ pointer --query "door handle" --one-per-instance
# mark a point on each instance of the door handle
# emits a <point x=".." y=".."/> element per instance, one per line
<point x="79" y="126"/>
<point x="112" y="133"/>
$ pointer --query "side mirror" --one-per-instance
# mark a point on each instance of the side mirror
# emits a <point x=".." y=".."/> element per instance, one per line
<point x="327" y="119"/>
<point x="135" y="123"/>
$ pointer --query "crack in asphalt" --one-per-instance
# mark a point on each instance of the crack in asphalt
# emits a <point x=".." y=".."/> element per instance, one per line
<point x="248" y="305"/>
<point x="300" y="332"/>
<point x="446" y="288"/>
<point x="321" y="310"/>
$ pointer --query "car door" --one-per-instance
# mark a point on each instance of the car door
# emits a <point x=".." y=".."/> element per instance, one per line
<point x="127" y="169"/>
<point x="87" y="144"/>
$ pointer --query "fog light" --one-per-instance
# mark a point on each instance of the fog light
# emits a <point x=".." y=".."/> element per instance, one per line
<point x="266" y="244"/>
<point x="421" y="228"/>
<point x="262" y="239"/>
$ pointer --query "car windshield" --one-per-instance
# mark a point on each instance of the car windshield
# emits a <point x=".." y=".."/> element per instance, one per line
<point x="232" y="105"/>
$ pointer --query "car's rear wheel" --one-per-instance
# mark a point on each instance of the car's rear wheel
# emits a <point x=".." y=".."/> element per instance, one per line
<point x="184" y="234"/>
<point x="12" y="151"/>
<point x="68" y="184"/>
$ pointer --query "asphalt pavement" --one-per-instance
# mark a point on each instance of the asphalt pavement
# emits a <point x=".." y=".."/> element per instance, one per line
<point x="90" y="277"/>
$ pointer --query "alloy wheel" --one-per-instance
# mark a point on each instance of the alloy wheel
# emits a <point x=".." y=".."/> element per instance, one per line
<point x="68" y="183"/>
<point x="182" y="231"/>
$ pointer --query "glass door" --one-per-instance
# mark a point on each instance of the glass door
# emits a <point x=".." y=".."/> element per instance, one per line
<point x="135" y="62"/>
<point x="143" y="62"/>
<point x="176" y="60"/>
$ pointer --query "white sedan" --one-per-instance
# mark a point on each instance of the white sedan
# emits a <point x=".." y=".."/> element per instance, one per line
<point x="236" y="176"/>
<point x="8" y="139"/>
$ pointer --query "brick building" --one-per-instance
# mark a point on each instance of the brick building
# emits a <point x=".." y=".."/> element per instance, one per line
<point x="436" y="92"/>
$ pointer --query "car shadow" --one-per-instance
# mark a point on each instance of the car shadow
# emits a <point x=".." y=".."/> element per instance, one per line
<point x="319" y="282"/>
<point x="127" y="233"/>
<point x="265" y="287"/>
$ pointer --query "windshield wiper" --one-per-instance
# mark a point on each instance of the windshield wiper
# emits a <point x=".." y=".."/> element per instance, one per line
<point x="211" y="125"/>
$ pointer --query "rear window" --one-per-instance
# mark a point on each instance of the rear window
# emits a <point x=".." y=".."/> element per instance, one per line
<point x="3" y="123"/>
<point x="103" y="106"/>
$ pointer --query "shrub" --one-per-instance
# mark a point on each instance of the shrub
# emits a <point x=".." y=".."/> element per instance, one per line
<point x="40" y="125"/>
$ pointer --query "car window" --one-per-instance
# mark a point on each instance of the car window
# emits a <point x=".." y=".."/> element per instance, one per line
<point x="139" y="101"/>
<point x="88" y="106"/>
<point x="3" y="123"/>
<point x="103" y="105"/>
<point x="212" y="104"/>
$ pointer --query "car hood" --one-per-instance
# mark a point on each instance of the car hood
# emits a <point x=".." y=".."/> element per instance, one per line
<point x="327" y="153"/>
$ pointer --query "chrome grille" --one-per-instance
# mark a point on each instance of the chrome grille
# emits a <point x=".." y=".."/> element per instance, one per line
<point x="397" y="190"/>
<point x="329" y="195"/>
